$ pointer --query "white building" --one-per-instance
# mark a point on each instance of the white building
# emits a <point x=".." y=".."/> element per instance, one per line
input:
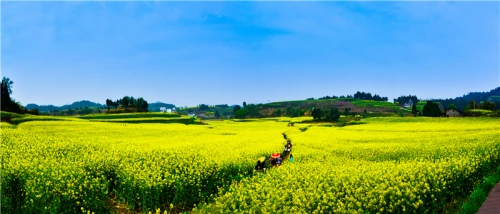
<point x="169" y="110"/>
<point x="409" y="104"/>
<point x="163" y="109"/>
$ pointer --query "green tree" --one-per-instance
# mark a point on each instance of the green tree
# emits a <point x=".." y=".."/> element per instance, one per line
<point x="414" y="109"/>
<point x="6" y="91"/>
<point x="217" y="114"/>
<point x="277" y="113"/>
<point x="334" y="115"/>
<point x="203" y="107"/>
<point x="235" y="109"/>
<point x="317" y="113"/>
<point x="472" y="104"/>
<point x="487" y="105"/>
<point x="125" y="101"/>
<point x="431" y="109"/>
<point x="109" y="103"/>
<point x="244" y="104"/>
<point x="451" y="106"/>
<point x="346" y="110"/>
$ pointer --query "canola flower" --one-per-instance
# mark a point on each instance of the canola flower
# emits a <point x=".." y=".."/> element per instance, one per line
<point x="67" y="166"/>
<point x="386" y="165"/>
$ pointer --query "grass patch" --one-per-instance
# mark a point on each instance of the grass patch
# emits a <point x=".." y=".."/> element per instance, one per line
<point x="480" y="193"/>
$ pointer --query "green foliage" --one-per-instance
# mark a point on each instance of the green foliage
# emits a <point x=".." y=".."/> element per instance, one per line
<point x="277" y="113"/>
<point x="7" y="103"/>
<point x="451" y="106"/>
<point x="477" y="112"/>
<point x="203" y="107"/>
<point x="414" y="109"/>
<point x="347" y="110"/>
<point x="249" y="111"/>
<point x="217" y="114"/>
<point x="334" y="115"/>
<point x="487" y="105"/>
<point x="236" y="109"/>
<point x="402" y="100"/>
<point x="127" y="104"/>
<point x="431" y="109"/>
<point x="478" y="196"/>
<point x="317" y="114"/>
<point x="368" y="96"/>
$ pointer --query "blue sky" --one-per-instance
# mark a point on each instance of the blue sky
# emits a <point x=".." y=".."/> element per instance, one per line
<point x="189" y="53"/>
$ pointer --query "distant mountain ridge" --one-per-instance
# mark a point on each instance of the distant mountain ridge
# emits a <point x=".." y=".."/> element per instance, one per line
<point x="89" y="104"/>
<point x="75" y="105"/>
<point x="463" y="101"/>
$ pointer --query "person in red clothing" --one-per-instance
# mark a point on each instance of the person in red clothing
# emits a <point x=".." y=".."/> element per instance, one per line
<point x="274" y="159"/>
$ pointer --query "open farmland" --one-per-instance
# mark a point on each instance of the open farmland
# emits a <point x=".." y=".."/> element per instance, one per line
<point x="385" y="165"/>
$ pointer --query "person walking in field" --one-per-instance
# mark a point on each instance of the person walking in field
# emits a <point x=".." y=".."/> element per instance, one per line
<point x="279" y="161"/>
<point x="288" y="149"/>
<point x="274" y="159"/>
<point x="261" y="164"/>
<point x="291" y="158"/>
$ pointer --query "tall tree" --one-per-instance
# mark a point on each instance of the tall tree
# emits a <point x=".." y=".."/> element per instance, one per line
<point x="236" y="108"/>
<point x="125" y="101"/>
<point x="217" y="114"/>
<point x="244" y="104"/>
<point x="6" y="91"/>
<point x="109" y="103"/>
<point x="472" y="104"/>
<point x="431" y="109"/>
<point x="414" y="109"/>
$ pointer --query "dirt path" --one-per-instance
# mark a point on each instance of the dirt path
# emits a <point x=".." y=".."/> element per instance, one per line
<point x="492" y="203"/>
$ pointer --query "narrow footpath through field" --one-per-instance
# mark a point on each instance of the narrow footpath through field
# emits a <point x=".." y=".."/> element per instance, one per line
<point x="492" y="203"/>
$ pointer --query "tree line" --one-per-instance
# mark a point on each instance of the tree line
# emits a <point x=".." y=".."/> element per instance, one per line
<point x="357" y="95"/>
<point x="463" y="102"/>
<point x="127" y="104"/>
<point x="405" y="99"/>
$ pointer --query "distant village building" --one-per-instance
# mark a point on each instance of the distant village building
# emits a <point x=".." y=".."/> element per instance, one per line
<point x="169" y="110"/>
<point x="408" y="104"/>
<point x="192" y="115"/>
<point x="163" y="109"/>
<point x="453" y="113"/>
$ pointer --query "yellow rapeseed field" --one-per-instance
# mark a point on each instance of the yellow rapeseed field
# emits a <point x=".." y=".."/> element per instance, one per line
<point x="386" y="165"/>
